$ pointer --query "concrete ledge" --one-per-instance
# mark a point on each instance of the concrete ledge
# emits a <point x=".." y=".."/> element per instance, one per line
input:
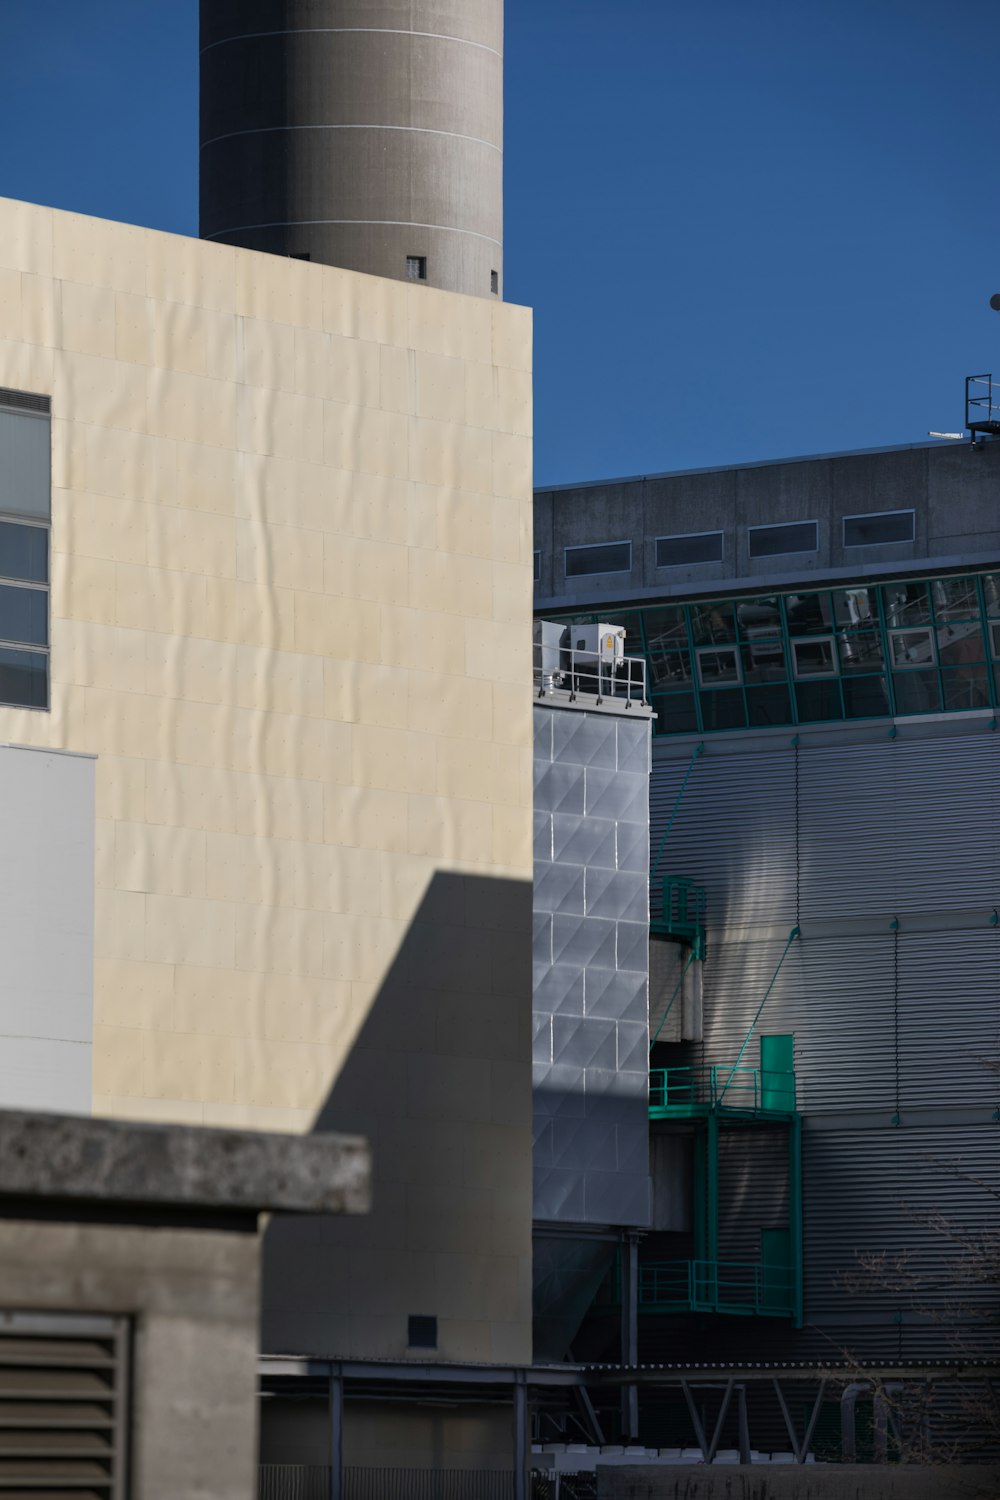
<point x="71" y="1158"/>
<point x="797" y="1482"/>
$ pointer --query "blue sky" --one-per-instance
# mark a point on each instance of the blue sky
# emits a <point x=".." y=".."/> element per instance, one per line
<point x="749" y="228"/>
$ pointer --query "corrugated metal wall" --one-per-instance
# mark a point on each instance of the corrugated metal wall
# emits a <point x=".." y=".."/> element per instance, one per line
<point x="753" y="1190"/>
<point x="894" y="1027"/>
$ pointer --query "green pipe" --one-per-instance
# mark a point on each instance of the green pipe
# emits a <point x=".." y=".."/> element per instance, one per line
<point x="795" y="932"/>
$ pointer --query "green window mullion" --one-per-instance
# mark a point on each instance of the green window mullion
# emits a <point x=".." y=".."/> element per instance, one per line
<point x="840" y="678"/>
<point x="984" y="626"/>
<point x="890" y="684"/>
<point x="789" y="665"/>
<point x="942" y="707"/>
<point x="695" y="680"/>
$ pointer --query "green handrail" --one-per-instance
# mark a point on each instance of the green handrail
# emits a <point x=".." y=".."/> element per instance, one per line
<point x="704" y="1088"/>
<point x="720" y="1286"/>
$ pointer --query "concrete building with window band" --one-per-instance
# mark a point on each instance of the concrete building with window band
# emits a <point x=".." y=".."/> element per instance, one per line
<point x="821" y="639"/>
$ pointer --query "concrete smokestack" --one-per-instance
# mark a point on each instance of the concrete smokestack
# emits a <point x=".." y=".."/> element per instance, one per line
<point x="360" y="133"/>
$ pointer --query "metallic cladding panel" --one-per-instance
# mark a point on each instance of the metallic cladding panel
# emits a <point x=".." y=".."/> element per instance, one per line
<point x="357" y="134"/>
<point x="875" y="1192"/>
<point x="753" y="1190"/>
<point x="591" y="955"/>
<point x="46" y="930"/>
<point x="734" y="833"/>
<point x="899" y="826"/>
<point x="836" y="996"/>
<point x="894" y="1030"/>
<point x="949" y="1019"/>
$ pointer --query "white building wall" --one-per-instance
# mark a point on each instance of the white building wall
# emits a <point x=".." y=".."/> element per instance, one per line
<point x="46" y="930"/>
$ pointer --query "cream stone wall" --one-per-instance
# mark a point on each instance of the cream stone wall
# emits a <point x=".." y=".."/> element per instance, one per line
<point x="291" y="594"/>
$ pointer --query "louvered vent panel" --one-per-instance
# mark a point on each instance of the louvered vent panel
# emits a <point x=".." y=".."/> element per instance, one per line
<point x="63" y="1395"/>
<point x="24" y="400"/>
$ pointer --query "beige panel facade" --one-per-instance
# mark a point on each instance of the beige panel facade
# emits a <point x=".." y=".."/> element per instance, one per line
<point x="291" y="592"/>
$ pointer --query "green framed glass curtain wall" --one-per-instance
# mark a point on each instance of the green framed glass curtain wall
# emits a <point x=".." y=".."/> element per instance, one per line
<point x="807" y="656"/>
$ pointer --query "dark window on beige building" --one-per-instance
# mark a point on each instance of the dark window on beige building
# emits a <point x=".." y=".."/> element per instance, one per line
<point x="25" y="515"/>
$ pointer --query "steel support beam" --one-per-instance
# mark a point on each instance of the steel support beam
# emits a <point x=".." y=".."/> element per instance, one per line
<point x="713" y="1446"/>
<point x="336" y="1403"/>
<point x="744" y="1425"/>
<point x="630" y="1333"/>
<point x="795" y="1218"/>
<point x="520" y="1438"/>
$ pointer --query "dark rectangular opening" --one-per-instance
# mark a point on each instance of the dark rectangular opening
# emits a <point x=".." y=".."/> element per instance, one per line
<point x="495" y="282"/>
<point x="796" y="536"/>
<point x="604" y="557"/>
<point x="876" y="530"/>
<point x="416" y="267"/>
<point x="422" y="1332"/>
<point x="699" y="547"/>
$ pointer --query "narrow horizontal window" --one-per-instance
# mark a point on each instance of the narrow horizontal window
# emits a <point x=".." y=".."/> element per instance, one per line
<point x="605" y="557"/>
<point x="698" y="547"/>
<point x="877" y="530"/>
<point x="24" y="552"/>
<point x="772" y="541"/>
<point x="25" y="401"/>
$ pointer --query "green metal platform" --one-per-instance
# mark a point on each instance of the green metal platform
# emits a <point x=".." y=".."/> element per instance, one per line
<point x="740" y="1288"/>
<point x="695" y="1093"/>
